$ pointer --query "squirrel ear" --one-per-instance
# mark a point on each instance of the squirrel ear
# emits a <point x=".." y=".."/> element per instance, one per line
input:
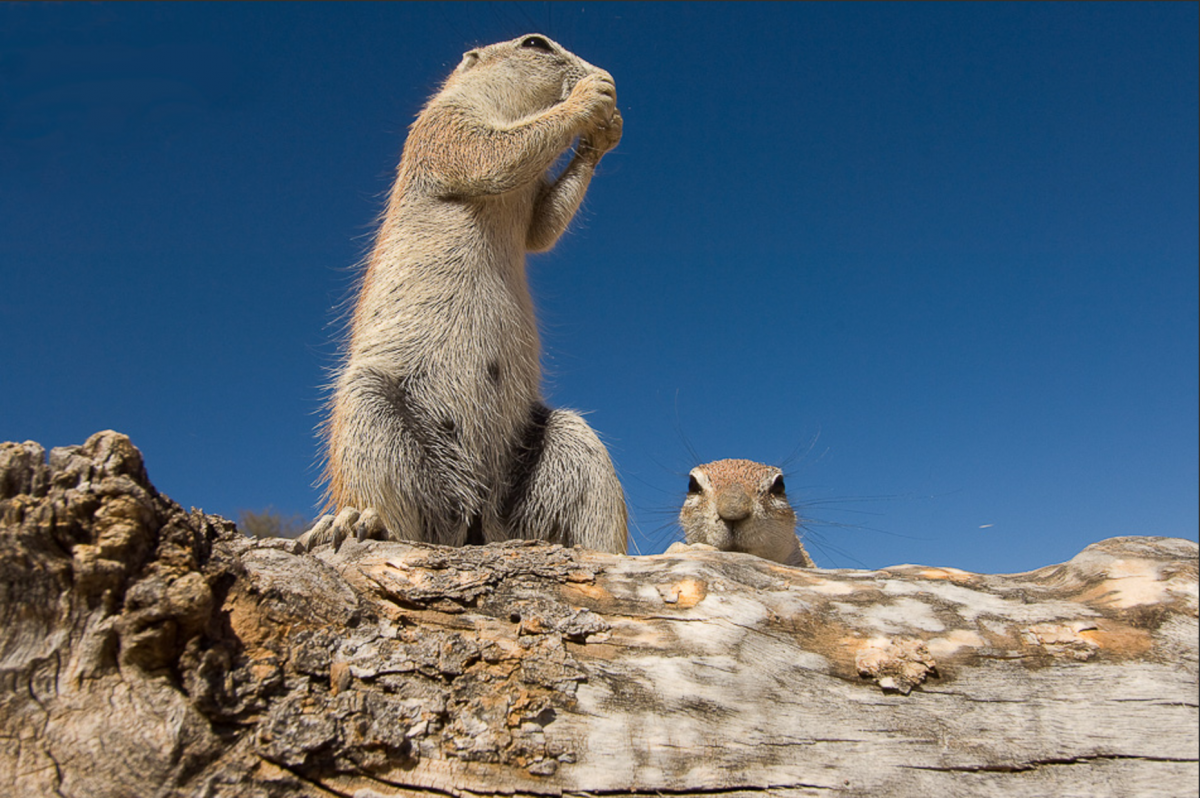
<point x="469" y="59"/>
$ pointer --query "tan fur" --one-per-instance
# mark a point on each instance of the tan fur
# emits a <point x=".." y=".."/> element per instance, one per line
<point x="436" y="424"/>
<point x="740" y="505"/>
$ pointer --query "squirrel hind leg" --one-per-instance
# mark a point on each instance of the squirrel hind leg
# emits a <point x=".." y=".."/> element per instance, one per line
<point x="565" y="488"/>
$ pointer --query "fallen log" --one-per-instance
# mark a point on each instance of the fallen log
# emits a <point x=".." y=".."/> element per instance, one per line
<point x="149" y="651"/>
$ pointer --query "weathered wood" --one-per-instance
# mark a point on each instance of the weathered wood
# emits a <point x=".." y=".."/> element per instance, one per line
<point x="148" y="651"/>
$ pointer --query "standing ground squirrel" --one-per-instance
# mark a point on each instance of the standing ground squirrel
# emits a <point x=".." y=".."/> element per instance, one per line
<point x="740" y="505"/>
<point x="437" y="431"/>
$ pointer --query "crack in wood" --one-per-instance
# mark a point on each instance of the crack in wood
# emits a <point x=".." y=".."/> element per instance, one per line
<point x="312" y="782"/>
<point x="696" y="791"/>
<point x="426" y="789"/>
<point x="1038" y="763"/>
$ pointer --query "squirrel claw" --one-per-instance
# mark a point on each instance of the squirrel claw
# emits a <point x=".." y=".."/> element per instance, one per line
<point x="348" y="523"/>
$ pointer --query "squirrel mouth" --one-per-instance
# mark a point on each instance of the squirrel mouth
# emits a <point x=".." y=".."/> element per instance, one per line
<point x="733" y="527"/>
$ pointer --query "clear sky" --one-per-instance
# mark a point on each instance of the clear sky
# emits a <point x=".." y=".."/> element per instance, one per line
<point x="938" y="261"/>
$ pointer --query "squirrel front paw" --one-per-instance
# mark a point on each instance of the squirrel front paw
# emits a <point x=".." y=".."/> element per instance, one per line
<point x="595" y="96"/>
<point x="602" y="138"/>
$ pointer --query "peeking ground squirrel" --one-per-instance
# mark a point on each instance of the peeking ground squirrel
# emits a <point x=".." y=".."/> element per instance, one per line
<point x="740" y="505"/>
<point x="437" y="431"/>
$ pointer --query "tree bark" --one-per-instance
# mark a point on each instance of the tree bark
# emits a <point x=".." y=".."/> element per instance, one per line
<point x="148" y="651"/>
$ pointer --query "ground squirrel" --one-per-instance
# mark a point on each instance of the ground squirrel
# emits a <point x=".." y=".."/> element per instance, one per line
<point x="740" y="505"/>
<point x="437" y="431"/>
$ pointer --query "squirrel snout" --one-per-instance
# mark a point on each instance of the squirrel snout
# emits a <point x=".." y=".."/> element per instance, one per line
<point x="733" y="504"/>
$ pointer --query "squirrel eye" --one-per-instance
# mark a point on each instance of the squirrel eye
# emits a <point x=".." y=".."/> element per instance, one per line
<point x="777" y="486"/>
<point x="693" y="485"/>
<point x="537" y="43"/>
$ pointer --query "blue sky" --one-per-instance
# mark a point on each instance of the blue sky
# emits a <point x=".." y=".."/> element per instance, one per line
<point x="939" y="261"/>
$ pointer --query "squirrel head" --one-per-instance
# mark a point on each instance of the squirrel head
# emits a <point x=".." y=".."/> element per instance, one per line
<point x="519" y="77"/>
<point x="739" y="505"/>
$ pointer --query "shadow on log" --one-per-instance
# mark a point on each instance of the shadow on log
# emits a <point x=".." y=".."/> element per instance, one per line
<point x="148" y="651"/>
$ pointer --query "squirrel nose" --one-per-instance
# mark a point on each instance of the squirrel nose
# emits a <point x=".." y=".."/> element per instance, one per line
<point x="733" y="504"/>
